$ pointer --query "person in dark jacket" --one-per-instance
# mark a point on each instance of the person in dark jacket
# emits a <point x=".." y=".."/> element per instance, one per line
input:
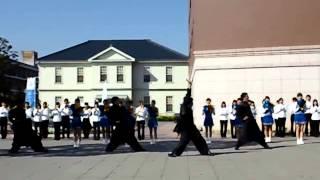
<point x="249" y="129"/>
<point x="187" y="130"/>
<point x="24" y="135"/>
<point x="118" y="116"/>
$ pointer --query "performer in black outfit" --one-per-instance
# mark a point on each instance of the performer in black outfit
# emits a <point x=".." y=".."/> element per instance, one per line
<point x="24" y="135"/>
<point x="249" y="130"/>
<point x="119" y="117"/>
<point x="187" y="130"/>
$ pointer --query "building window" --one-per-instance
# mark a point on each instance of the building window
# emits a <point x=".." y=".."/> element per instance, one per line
<point x="168" y="74"/>
<point x="146" y="74"/>
<point x="103" y="73"/>
<point x="169" y="104"/>
<point x="80" y="74"/>
<point x="80" y="98"/>
<point x="146" y="100"/>
<point x="58" y="99"/>
<point x="120" y="74"/>
<point x="58" y="75"/>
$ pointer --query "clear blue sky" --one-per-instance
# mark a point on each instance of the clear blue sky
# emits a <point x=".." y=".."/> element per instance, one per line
<point x="51" y="25"/>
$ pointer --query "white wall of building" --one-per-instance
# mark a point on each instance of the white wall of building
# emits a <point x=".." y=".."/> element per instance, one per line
<point x="224" y="76"/>
<point x="133" y="86"/>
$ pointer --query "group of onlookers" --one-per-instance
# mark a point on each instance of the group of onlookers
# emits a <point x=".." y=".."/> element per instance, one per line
<point x="84" y="120"/>
<point x="304" y="114"/>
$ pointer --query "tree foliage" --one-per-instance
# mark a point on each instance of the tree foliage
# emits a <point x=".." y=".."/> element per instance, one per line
<point x="6" y="56"/>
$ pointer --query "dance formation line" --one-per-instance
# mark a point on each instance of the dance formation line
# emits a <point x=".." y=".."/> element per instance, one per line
<point x="118" y="123"/>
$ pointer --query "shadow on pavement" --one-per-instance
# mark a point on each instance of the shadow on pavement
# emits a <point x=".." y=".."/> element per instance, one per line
<point x="99" y="149"/>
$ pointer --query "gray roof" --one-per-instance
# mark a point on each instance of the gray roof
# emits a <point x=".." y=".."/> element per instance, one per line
<point x="141" y="50"/>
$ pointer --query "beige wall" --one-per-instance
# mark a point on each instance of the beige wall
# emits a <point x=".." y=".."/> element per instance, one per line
<point x="224" y="76"/>
<point x="231" y="24"/>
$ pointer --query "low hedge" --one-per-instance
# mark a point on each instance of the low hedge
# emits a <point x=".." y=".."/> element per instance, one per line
<point x="167" y="118"/>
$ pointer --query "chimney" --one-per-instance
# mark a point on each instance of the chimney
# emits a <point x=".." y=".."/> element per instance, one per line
<point x="29" y="57"/>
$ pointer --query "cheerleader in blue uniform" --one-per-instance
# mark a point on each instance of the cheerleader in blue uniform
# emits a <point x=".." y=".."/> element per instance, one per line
<point x="267" y="118"/>
<point x="104" y="121"/>
<point x="300" y="118"/>
<point x="76" y="122"/>
<point x="153" y="122"/>
<point x="208" y="112"/>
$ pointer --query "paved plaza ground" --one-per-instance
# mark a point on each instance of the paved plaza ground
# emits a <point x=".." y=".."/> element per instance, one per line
<point x="90" y="162"/>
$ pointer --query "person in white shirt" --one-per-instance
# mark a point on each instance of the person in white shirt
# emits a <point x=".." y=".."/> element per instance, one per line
<point x="308" y="114"/>
<point x="95" y="118"/>
<point x="280" y="113"/>
<point x="56" y="118"/>
<point x="292" y="108"/>
<point x="253" y="109"/>
<point x="232" y="117"/>
<point x="44" y="123"/>
<point x="29" y="111"/>
<point x="65" y="116"/>
<point x="141" y="117"/>
<point x="86" y="126"/>
<point x="223" y="116"/>
<point x="37" y="118"/>
<point x="315" y="118"/>
<point x="4" y="112"/>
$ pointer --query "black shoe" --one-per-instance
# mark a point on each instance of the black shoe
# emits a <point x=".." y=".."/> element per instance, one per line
<point x="267" y="147"/>
<point x="13" y="151"/>
<point x="172" y="155"/>
<point x="237" y="148"/>
<point x="211" y="154"/>
<point x="43" y="150"/>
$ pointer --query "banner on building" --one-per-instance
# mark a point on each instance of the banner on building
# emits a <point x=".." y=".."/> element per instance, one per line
<point x="31" y="91"/>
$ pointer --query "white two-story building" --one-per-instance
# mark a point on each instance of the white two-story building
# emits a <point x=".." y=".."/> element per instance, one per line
<point x="134" y="69"/>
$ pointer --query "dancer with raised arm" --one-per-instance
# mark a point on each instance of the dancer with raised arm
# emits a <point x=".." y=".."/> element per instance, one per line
<point x="187" y="130"/>
<point x="249" y="130"/>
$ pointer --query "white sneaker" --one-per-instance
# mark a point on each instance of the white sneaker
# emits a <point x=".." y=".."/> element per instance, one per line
<point x="107" y="141"/>
<point x="74" y="145"/>
<point x="126" y="145"/>
<point x="301" y="141"/>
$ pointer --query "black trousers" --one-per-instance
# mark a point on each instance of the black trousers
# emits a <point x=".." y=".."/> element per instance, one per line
<point x="315" y="128"/>
<point x="3" y="127"/>
<point x="282" y="127"/>
<point x="250" y="132"/>
<point x="57" y="130"/>
<point x="292" y="127"/>
<point x="123" y="136"/>
<point x="233" y="129"/>
<point x="44" y="131"/>
<point x="65" y="126"/>
<point x="141" y="127"/>
<point x="277" y="127"/>
<point x="223" y="128"/>
<point x="96" y="130"/>
<point x="194" y="136"/>
<point x="86" y="126"/>
<point x="308" y="119"/>
<point x="32" y="140"/>
<point x="37" y="127"/>
<point x="262" y="126"/>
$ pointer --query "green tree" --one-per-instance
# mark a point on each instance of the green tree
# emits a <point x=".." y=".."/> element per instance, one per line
<point x="6" y="56"/>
